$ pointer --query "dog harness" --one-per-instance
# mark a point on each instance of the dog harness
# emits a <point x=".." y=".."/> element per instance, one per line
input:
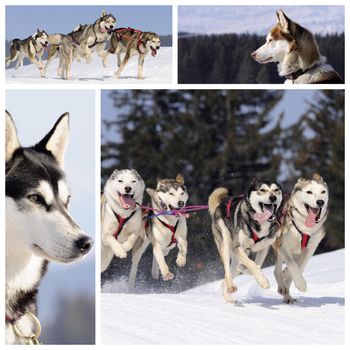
<point x="120" y="32"/>
<point x="304" y="236"/>
<point x="172" y="229"/>
<point x="121" y="223"/>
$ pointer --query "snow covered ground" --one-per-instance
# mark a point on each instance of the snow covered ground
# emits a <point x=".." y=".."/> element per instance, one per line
<point x="155" y="70"/>
<point x="200" y="315"/>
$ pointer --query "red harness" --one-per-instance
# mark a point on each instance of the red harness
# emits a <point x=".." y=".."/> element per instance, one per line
<point x="121" y="31"/>
<point x="172" y="229"/>
<point x="121" y="223"/>
<point x="304" y="237"/>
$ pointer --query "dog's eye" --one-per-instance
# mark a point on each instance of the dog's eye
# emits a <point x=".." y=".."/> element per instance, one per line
<point x="262" y="190"/>
<point x="277" y="191"/>
<point x="120" y="180"/>
<point x="133" y="181"/>
<point x="36" y="198"/>
<point x="68" y="200"/>
<point x="308" y="192"/>
<point x="323" y="192"/>
<point x="172" y="194"/>
<point x="182" y="193"/>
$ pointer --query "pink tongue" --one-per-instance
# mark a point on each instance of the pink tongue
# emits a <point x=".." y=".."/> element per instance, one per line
<point x="154" y="52"/>
<point x="127" y="202"/>
<point x="311" y="219"/>
<point x="262" y="217"/>
<point x="103" y="30"/>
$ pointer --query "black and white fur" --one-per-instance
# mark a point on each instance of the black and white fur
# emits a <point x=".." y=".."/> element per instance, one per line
<point x="122" y="195"/>
<point x="170" y="194"/>
<point x="308" y="195"/>
<point x="233" y="234"/>
<point x="39" y="227"/>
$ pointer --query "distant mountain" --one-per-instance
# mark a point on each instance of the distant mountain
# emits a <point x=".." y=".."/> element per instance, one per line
<point x="257" y="19"/>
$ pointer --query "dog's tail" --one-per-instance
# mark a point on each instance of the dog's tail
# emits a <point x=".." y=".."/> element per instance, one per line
<point x="215" y="199"/>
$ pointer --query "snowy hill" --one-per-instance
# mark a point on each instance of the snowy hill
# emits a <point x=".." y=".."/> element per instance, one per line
<point x="155" y="70"/>
<point x="200" y="315"/>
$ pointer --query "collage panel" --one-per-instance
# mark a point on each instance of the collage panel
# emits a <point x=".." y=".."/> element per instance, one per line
<point x="50" y="216"/>
<point x="89" y="44"/>
<point x="201" y="185"/>
<point x="261" y="44"/>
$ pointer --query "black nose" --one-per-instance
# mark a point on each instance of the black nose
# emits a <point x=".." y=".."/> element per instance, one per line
<point x="253" y="54"/>
<point x="127" y="189"/>
<point x="272" y="198"/>
<point x="181" y="204"/>
<point x="84" y="244"/>
<point x="158" y="47"/>
<point x="46" y="42"/>
<point x="111" y="26"/>
<point x="320" y="203"/>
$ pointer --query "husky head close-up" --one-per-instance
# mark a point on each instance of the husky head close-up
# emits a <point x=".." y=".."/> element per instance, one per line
<point x="151" y="42"/>
<point x="290" y="44"/>
<point x="265" y="198"/>
<point x="170" y="194"/>
<point x="37" y="198"/>
<point x="41" y="38"/>
<point x="126" y="187"/>
<point x="310" y="197"/>
<point x="106" y="22"/>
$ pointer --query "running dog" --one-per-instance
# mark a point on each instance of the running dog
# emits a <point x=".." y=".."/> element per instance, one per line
<point x="302" y="231"/>
<point x="295" y="50"/>
<point x="121" y="215"/>
<point x="132" y="42"/>
<point x="39" y="227"/>
<point x="33" y="48"/>
<point x="245" y="224"/>
<point x="84" y="40"/>
<point x="164" y="232"/>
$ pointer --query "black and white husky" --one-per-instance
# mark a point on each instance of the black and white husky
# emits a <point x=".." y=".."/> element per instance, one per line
<point x="121" y="216"/>
<point x="295" y="50"/>
<point x="245" y="224"/>
<point x="302" y="231"/>
<point x="165" y="232"/>
<point x="39" y="227"/>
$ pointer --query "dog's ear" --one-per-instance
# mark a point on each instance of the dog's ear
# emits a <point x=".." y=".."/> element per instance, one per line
<point x="113" y="175"/>
<point x="283" y="20"/>
<point x="159" y="179"/>
<point x="254" y="184"/>
<point x="103" y="13"/>
<point x="317" y="177"/>
<point x="11" y="139"/>
<point x="150" y="191"/>
<point x="180" y="179"/>
<point x="56" y="141"/>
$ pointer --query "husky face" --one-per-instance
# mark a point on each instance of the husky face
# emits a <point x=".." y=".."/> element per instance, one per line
<point x="41" y="38"/>
<point x="170" y="194"/>
<point x="265" y="197"/>
<point x="127" y="187"/>
<point x="107" y="22"/>
<point x="311" y="198"/>
<point x="37" y="197"/>
<point x="152" y="43"/>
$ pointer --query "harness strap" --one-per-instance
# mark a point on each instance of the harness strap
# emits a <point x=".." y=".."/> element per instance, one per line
<point x="304" y="236"/>
<point x="172" y="229"/>
<point x="228" y="207"/>
<point x="121" y="223"/>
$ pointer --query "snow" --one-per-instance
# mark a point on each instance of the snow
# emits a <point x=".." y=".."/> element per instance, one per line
<point x="201" y="316"/>
<point x="155" y="70"/>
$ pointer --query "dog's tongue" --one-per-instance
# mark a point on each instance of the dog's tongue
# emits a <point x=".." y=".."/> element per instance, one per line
<point x="103" y="30"/>
<point x="311" y="218"/>
<point x="265" y="215"/>
<point x="154" y="52"/>
<point x="127" y="201"/>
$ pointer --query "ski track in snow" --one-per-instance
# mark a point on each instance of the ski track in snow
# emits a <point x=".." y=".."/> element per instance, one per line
<point x="201" y="316"/>
<point x="155" y="70"/>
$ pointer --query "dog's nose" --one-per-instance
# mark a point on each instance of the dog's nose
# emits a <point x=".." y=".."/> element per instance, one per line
<point x="127" y="189"/>
<point x="253" y="54"/>
<point x="181" y="204"/>
<point x="272" y="198"/>
<point x="158" y="47"/>
<point x="84" y="244"/>
<point x="111" y="26"/>
<point x="320" y="203"/>
<point x="46" y="42"/>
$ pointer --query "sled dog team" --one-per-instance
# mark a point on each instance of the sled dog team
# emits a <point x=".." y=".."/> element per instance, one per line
<point x="81" y="43"/>
<point x="251" y="223"/>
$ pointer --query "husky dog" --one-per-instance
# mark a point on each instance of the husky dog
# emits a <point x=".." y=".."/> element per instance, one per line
<point x="33" y="48"/>
<point x="121" y="215"/>
<point x="302" y="231"/>
<point x="245" y="224"/>
<point x="295" y="50"/>
<point x="132" y="42"/>
<point x="39" y="227"/>
<point x="165" y="232"/>
<point x="84" y="40"/>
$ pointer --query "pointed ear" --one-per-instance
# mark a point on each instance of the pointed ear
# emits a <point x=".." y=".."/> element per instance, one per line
<point x="56" y="141"/>
<point x="180" y="179"/>
<point x="103" y="13"/>
<point x="11" y="139"/>
<point x="150" y="191"/>
<point x="283" y="20"/>
<point x="159" y="179"/>
<point x="317" y="177"/>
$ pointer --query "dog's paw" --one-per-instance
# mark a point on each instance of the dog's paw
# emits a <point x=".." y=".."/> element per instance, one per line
<point x="127" y="246"/>
<point x="283" y="290"/>
<point x="120" y="253"/>
<point x="180" y="261"/>
<point x="289" y="300"/>
<point x="168" y="276"/>
<point x="232" y="289"/>
<point x="263" y="282"/>
<point x="301" y="285"/>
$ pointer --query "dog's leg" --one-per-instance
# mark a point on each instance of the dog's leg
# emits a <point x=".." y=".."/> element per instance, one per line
<point x="164" y="269"/>
<point x="20" y="59"/>
<point x="252" y="267"/>
<point x="109" y="240"/>
<point x="106" y="257"/>
<point x="140" y="65"/>
<point x="259" y="260"/>
<point x="128" y="245"/>
<point x="155" y="268"/>
<point x="137" y="252"/>
<point x="122" y="65"/>
<point x="68" y="64"/>
<point x="181" y="256"/>
<point x="119" y="61"/>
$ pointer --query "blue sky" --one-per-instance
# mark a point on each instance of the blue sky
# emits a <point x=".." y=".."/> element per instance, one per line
<point x="257" y="19"/>
<point x="35" y="112"/>
<point x="22" y="21"/>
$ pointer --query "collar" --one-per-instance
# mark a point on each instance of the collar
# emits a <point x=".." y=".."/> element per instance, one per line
<point x="295" y="75"/>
